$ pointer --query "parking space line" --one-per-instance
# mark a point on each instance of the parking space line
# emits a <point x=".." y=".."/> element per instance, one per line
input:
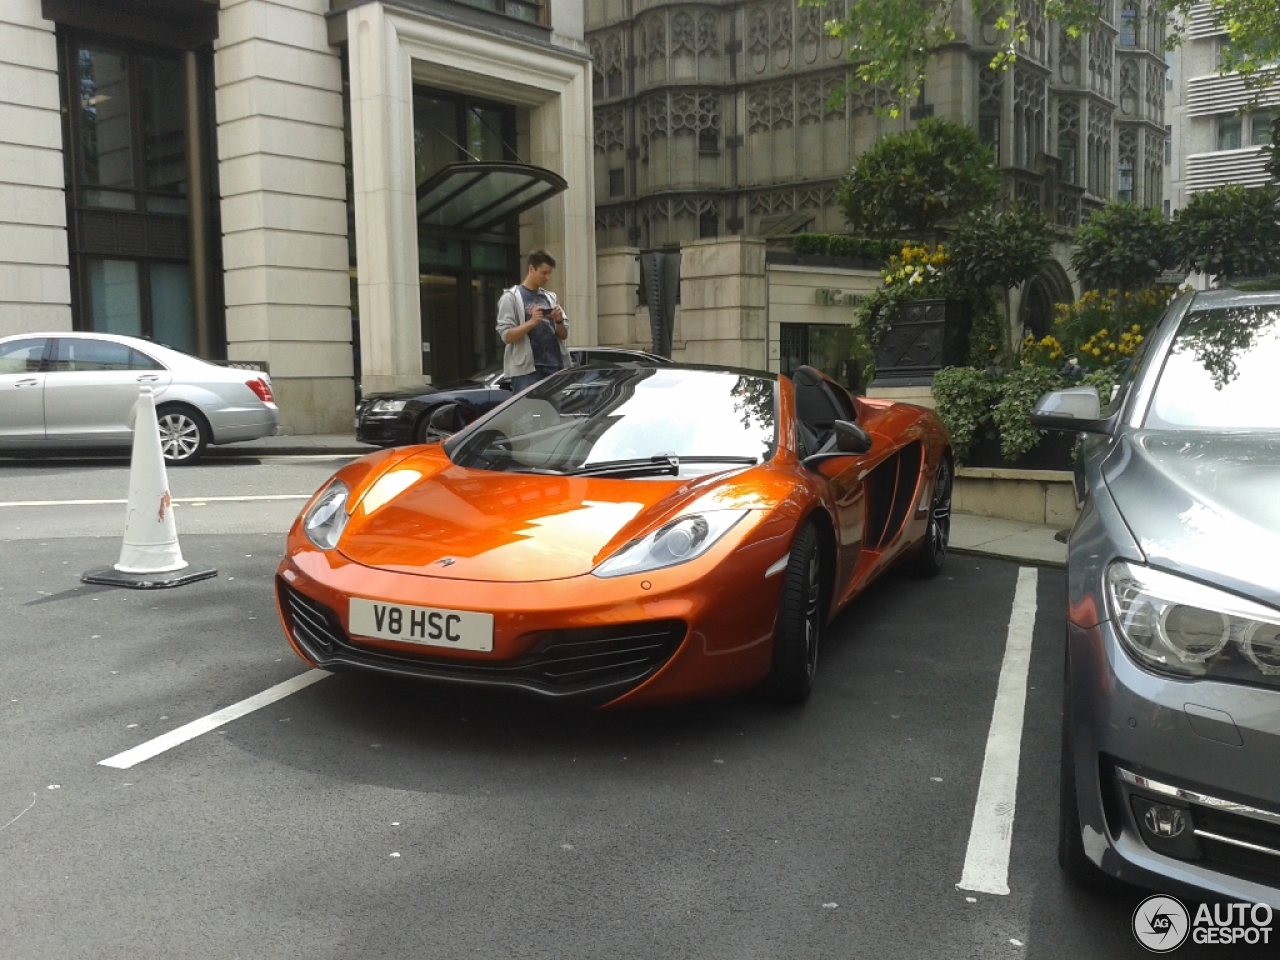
<point x="986" y="862"/>
<point x="145" y="751"/>
<point x="95" y="503"/>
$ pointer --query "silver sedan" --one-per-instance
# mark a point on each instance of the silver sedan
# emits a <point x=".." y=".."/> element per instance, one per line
<point x="76" y="390"/>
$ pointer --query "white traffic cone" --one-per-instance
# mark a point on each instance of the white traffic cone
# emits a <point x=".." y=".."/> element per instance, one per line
<point x="150" y="556"/>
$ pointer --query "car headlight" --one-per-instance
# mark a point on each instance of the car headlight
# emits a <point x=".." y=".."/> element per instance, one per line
<point x="1185" y="628"/>
<point x="386" y="406"/>
<point x="324" y="522"/>
<point x="675" y="542"/>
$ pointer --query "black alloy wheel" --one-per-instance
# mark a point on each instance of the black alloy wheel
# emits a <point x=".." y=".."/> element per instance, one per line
<point x="933" y="550"/>
<point x="184" y="434"/>
<point x="800" y="621"/>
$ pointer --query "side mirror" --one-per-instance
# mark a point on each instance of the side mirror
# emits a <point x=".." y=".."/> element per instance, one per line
<point x="1072" y="410"/>
<point x="851" y="441"/>
<point x="444" y="421"/>
<point x="851" y="438"/>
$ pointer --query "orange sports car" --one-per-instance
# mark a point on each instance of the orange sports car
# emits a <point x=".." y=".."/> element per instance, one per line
<point x="621" y="536"/>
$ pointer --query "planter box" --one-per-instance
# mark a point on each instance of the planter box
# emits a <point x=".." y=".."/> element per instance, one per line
<point x="924" y="337"/>
<point x="1053" y="452"/>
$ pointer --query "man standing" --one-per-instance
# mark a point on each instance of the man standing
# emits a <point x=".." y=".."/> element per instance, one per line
<point x="532" y="326"/>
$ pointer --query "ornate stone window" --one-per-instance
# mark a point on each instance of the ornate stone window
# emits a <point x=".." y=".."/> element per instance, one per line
<point x="1029" y="108"/>
<point x="1129" y="96"/>
<point x="1126" y="187"/>
<point x="609" y="130"/>
<point x="1069" y="140"/>
<point x="1031" y="12"/>
<point x="1099" y="149"/>
<point x="1130" y="27"/>
<point x="770" y="36"/>
<point x="699" y="115"/>
<point x="990" y="107"/>
<point x="1068" y="58"/>
<point x="652" y="31"/>
<point x="1101" y="57"/>
<point x="1155" y="92"/>
<point x="771" y="108"/>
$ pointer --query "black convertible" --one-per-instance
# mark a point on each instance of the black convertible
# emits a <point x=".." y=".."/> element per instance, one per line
<point x="429" y="412"/>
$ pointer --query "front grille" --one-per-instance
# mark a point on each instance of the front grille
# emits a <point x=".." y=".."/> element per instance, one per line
<point x="601" y="661"/>
<point x="1237" y="839"/>
<point x="312" y="624"/>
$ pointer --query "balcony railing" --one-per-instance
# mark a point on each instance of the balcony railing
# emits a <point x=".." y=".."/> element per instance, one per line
<point x="1246" y="166"/>
<point x="1211" y="95"/>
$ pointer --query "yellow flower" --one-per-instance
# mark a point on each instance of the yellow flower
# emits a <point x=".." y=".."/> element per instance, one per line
<point x="1136" y="328"/>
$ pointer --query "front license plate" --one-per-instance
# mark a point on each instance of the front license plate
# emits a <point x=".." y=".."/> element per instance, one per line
<point x="429" y="626"/>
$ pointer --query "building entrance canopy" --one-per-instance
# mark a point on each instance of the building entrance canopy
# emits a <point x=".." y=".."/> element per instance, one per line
<point x="473" y="197"/>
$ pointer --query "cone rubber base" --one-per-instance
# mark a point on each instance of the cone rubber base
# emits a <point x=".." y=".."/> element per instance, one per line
<point x="149" y="581"/>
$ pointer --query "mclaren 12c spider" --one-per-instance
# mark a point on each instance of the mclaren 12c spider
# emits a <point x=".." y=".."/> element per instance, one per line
<point x="621" y="536"/>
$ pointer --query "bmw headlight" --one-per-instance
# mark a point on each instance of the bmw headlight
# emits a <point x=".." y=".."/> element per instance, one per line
<point x="675" y="542"/>
<point x="324" y="522"/>
<point x="378" y="407"/>
<point x="1182" y="627"/>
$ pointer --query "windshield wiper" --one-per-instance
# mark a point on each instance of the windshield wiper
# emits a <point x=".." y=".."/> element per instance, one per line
<point x="667" y="464"/>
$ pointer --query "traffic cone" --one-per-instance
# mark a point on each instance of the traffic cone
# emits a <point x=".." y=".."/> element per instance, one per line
<point x="150" y="556"/>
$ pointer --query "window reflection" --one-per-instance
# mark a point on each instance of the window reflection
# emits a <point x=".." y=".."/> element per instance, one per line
<point x="1220" y="374"/>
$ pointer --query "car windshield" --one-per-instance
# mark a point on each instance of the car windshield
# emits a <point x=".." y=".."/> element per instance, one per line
<point x="1221" y="372"/>
<point x="628" y="421"/>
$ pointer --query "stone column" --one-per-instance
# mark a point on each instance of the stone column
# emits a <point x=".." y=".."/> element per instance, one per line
<point x="385" y="201"/>
<point x="618" y="277"/>
<point x="723" y="310"/>
<point x="284" y="212"/>
<point x="35" y="281"/>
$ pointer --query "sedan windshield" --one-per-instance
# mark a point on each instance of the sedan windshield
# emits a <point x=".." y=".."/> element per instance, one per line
<point x="628" y="421"/>
<point x="1221" y="372"/>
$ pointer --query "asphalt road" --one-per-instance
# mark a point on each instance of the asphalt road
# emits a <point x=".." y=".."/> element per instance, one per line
<point x="376" y="819"/>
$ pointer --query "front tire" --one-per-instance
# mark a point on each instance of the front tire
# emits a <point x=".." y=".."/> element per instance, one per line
<point x="184" y="434"/>
<point x="933" y="551"/>
<point x="800" y="621"/>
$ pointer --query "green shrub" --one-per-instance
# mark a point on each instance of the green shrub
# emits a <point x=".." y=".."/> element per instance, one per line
<point x="1020" y="390"/>
<point x="843" y="245"/>
<point x="963" y="398"/>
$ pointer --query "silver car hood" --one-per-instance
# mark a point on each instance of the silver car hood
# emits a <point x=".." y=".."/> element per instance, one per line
<point x="1204" y="505"/>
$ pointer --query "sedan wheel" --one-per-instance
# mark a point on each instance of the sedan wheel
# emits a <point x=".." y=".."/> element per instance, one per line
<point x="800" y="622"/>
<point x="183" y="435"/>
<point x="933" y="551"/>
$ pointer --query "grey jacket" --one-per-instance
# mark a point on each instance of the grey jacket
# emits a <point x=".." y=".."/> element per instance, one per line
<point x="517" y="358"/>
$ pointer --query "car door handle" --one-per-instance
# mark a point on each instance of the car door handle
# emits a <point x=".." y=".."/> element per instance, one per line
<point x="33" y="382"/>
<point x="148" y="378"/>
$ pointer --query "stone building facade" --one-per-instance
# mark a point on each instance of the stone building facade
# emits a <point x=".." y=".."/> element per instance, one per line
<point x="717" y="119"/>
<point x="244" y="179"/>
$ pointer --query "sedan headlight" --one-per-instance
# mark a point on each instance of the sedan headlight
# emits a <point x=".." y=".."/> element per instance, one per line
<point x="676" y="542"/>
<point x="385" y="406"/>
<point x="324" y="522"/>
<point x="1185" y="628"/>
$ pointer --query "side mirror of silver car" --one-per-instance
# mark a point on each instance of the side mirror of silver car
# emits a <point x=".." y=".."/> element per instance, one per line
<point x="1074" y="409"/>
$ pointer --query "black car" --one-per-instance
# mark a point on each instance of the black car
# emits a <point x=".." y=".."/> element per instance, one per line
<point x="431" y="411"/>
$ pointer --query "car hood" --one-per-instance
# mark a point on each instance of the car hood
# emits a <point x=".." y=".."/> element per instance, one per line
<point x="425" y="390"/>
<point x="1207" y="506"/>
<point x="506" y="527"/>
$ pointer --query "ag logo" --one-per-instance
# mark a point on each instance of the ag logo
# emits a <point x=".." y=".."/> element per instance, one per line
<point x="1161" y="924"/>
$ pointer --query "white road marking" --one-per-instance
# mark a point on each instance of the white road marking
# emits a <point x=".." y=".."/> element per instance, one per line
<point x="94" y="503"/>
<point x="167" y="741"/>
<point x="986" y="862"/>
